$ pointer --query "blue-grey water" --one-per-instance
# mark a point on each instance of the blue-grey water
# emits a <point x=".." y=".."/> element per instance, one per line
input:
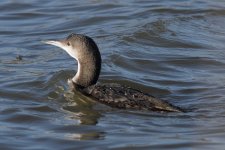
<point x="172" y="49"/>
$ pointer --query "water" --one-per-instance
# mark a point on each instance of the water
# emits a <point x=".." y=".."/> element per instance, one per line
<point x="171" y="49"/>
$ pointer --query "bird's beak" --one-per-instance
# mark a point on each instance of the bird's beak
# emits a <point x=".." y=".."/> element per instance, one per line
<point x="63" y="45"/>
<point x="60" y="43"/>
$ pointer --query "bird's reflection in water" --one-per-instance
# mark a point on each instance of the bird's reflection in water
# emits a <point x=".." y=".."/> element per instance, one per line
<point x="86" y="110"/>
<point x="86" y="136"/>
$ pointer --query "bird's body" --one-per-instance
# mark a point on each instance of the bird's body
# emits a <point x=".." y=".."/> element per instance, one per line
<point x="87" y="54"/>
<point x="123" y="97"/>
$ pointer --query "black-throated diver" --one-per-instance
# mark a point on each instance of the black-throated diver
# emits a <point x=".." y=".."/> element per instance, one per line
<point x="86" y="52"/>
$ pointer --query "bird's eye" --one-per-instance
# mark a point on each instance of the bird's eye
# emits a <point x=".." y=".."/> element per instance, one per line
<point x="68" y="43"/>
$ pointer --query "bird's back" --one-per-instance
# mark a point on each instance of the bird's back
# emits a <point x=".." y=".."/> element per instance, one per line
<point x="123" y="97"/>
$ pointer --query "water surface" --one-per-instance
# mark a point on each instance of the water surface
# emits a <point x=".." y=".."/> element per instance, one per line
<point x="171" y="49"/>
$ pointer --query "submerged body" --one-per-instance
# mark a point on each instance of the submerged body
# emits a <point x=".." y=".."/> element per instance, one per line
<point x="87" y="54"/>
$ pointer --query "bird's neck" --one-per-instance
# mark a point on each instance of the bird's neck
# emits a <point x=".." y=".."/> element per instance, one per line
<point x="88" y="71"/>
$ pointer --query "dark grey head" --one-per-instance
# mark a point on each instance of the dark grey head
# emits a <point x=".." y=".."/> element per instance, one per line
<point x="87" y="54"/>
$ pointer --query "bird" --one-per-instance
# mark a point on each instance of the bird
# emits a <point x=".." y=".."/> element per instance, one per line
<point x="86" y="52"/>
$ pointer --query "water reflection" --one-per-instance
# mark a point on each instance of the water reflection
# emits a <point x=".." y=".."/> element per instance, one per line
<point x="85" y="136"/>
<point x="82" y="108"/>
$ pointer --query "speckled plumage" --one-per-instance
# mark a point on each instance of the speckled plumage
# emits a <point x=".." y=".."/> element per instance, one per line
<point x="123" y="97"/>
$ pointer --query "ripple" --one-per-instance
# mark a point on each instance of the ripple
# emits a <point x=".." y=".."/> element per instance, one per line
<point x="171" y="49"/>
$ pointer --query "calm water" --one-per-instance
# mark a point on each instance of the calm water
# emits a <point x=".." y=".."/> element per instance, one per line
<point x="174" y="50"/>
